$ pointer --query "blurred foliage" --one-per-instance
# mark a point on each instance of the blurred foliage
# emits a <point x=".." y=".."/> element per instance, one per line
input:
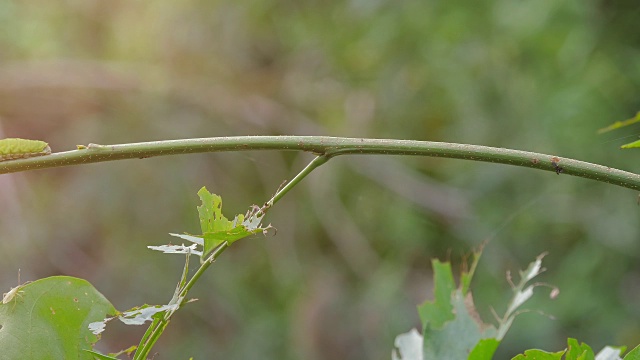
<point x="351" y="256"/>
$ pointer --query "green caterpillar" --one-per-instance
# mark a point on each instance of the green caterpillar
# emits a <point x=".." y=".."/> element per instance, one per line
<point x="14" y="148"/>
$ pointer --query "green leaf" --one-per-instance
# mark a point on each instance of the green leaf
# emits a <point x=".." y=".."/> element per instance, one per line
<point x="211" y="218"/>
<point x="440" y="310"/>
<point x="452" y="328"/>
<point x="576" y="351"/>
<point x="216" y="228"/>
<point x="619" y="124"/>
<point x="49" y="318"/>
<point x="484" y="350"/>
<point x="633" y="354"/>
<point x="458" y="337"/>
<point x="635" y="144"/>
<point x="539" y="355"/>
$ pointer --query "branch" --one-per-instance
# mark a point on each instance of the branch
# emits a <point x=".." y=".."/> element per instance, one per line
<point x="329" y="147"/>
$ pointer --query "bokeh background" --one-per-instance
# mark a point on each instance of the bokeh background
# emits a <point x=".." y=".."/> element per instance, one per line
<point x="351" y="258"/>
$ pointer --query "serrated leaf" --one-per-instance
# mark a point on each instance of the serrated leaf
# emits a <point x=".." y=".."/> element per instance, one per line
<point x="48" y="319"/>
<point x="539" y="355"/>
<point x="408" y="346"/>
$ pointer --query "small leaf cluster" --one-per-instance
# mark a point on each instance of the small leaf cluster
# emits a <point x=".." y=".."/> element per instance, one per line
<point x="216" y="228"/>
<point x="67" y="316"/>
<point x="452" y="329"/>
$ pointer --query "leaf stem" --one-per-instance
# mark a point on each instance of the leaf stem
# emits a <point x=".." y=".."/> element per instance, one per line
<point x="330" y="147"/>
<point x="205" y="265"/>
<point x="157" y="327"/>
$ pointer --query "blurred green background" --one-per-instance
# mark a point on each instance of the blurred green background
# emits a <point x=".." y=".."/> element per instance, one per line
<point x="351" y="258"/>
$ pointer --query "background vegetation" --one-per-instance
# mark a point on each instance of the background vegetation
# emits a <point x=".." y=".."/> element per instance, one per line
<point x="351" y="257"/>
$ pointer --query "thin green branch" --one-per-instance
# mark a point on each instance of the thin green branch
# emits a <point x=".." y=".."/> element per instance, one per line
<point x="157" y="327"/>
<point x="329" y="147"/>
<point x="301" y="175"/>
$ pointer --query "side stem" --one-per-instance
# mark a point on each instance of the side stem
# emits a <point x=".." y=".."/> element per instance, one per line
<point x="319" y="160"/>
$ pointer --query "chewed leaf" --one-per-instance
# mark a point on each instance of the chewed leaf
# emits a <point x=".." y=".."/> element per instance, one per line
<point x="539" y="355"/>
<point x="193" y="239"/>
<point x="211" y="218"/>
<point x="177" y="249"/>
<point x="440" y="310"/>
<point x="135" y="316"/>
<point x="408" y="346"/>
<point x="534" y="269"/>
<point x="522" y="293"/>
<point x="216" y="228"/>
<point x="138" y="316"/>
<point x="453" y="329"/>
<point x="520" y="298"/>
<point x="99" y="326"/>
<point x="610" y="353"/>
<point x="57" y="308"/>
<point x="575" y="350"/>
<point x="458" y="337"/>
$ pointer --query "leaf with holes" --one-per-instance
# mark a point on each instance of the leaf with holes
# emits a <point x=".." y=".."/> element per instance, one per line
<point x="216" y="228"/>
<point x="49" y="318"/>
